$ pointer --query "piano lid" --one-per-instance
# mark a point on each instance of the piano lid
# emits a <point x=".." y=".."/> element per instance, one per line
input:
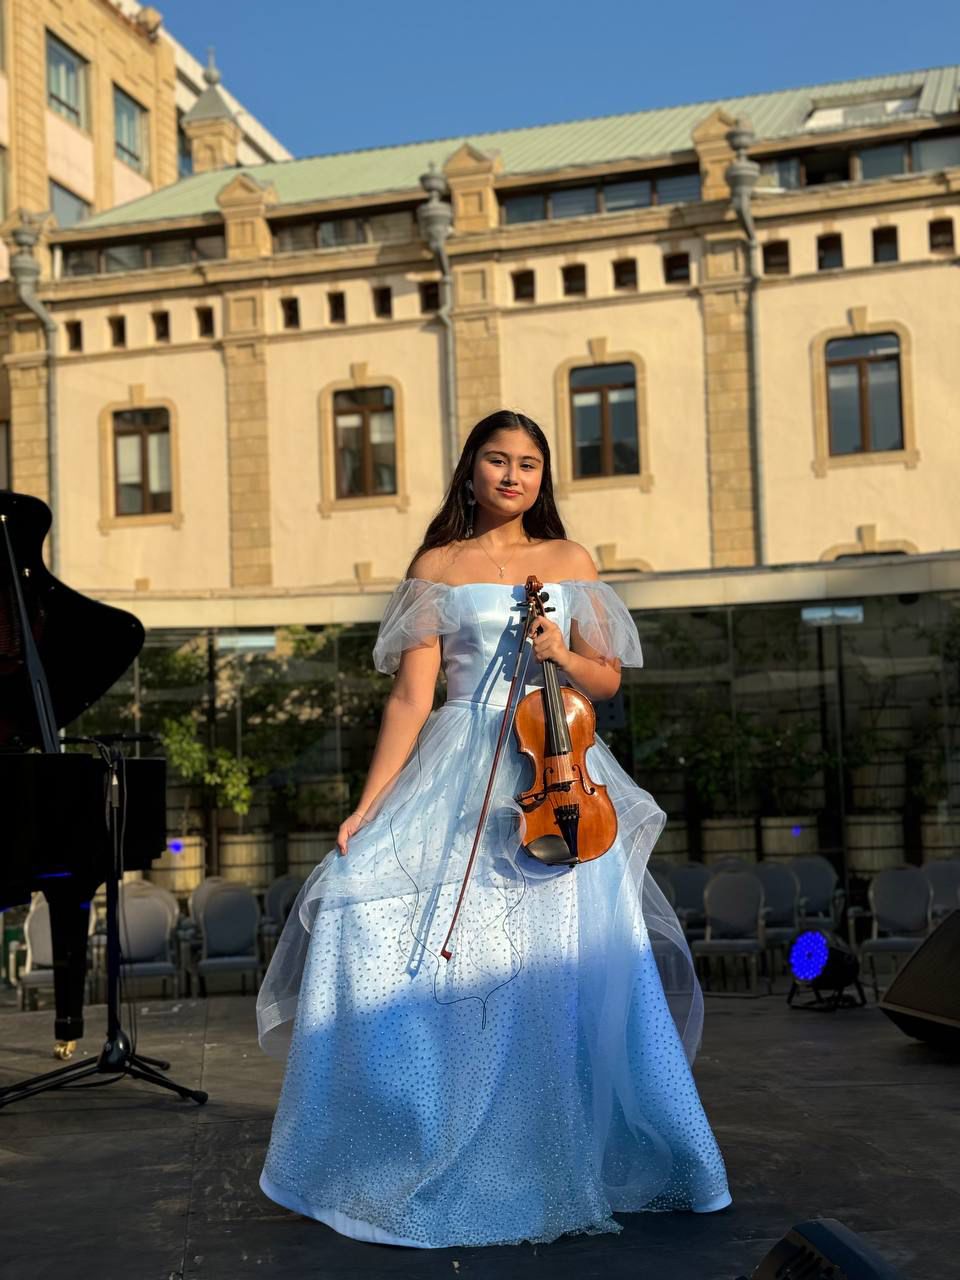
<point x="84" y="646"/>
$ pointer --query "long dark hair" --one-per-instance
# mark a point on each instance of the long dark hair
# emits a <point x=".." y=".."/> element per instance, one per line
<point x="450" y="522"/>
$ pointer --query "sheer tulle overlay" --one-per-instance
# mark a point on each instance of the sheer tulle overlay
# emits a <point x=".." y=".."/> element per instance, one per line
<point x="539" y="1080"/>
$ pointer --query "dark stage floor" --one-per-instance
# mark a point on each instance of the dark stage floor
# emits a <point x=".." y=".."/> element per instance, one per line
<point x="817" y="1115"/>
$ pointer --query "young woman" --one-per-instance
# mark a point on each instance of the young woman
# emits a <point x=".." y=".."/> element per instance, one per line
<point x="538" y="1081"/>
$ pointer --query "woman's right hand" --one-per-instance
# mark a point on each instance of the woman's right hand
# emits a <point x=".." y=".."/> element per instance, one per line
<point x="349" y="825"/>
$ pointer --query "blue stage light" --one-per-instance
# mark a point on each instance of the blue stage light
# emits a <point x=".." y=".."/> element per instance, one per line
<point x="175" y="846"/>
<point x="808" y="955"/>
<point x="824" y="964"/>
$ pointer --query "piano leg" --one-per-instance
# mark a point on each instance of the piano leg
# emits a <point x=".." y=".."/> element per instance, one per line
<point x="69" y="929"/>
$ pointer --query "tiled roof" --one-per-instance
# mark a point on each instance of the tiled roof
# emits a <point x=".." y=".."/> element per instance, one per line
<point x="641" y="135"/>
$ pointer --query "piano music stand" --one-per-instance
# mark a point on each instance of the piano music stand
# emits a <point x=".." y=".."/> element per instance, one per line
<point x="117" y="1056"/>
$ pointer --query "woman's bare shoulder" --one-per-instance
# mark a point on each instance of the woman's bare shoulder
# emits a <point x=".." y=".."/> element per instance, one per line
<point x="578" y="564"/>
<point x="430" y="565"/>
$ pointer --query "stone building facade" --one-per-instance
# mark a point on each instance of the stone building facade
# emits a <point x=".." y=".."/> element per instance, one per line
<point x="743" y="385"/>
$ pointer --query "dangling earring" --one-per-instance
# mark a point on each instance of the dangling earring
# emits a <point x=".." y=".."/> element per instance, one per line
<point x="471" y="502"/>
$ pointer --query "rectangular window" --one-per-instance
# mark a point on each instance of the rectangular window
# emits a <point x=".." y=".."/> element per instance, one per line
<point x="341" y="231"/>
<point x="936" y="153"/>
<point x="636" y="194"/>
<point x="880" y="162"/>
<point x="524" y="208"/>
<point x="130" y="130"/>
<point x="161" y="326"/>
<point x="782" y="172"/>
<point x="118" y="330"/>
<point x="829" y="253"/>
<point x="941" y="235"/>
<point x="210" y="248"/>
<point x="67" y="208"/>
<point x="821" y="167"/>
<point x="142" y="461"/>
<point x="603" y="415"/>
<point x="575" y="280"/>
<point x="524" y="286"/>
<point x="573" y="202"/>
<point x="679" y="188"/>
<point x="290" y="311"/>
<point x="184" y="149"/>
<point x="74" y="329"/>
<point x="366" y="446"/>
<point x="171" y="253"/>
<point x="625" y="273"/>
<point x="429" y="296"/>
<point x="337" y="308"/>
<point x="676" y="268"/>
<point x="776" y="258"/>
<point x="81" y="262"/>
<point x="6" y="481"/>
<point x="383" y="302"/>
<point x="863" y="385"/>
<point x="124" y="257"/>
<point x="66" y="82"/>
<point x="297" y="238"/>
<point x="885" y="244"/>
<point x="205" y="327"/>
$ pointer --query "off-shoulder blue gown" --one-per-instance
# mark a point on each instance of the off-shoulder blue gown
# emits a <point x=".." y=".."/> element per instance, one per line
<point x="537" y="1082"/>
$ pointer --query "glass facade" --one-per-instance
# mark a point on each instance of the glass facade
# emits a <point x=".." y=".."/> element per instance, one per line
<point x="761" y="730"/>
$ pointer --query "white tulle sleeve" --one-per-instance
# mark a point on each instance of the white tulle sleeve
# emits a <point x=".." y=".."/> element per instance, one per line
<point x="417" y="610"/>
<point x="604" y="621"/>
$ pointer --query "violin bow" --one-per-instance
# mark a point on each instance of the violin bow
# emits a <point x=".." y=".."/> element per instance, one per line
<point x="509" y="714"/>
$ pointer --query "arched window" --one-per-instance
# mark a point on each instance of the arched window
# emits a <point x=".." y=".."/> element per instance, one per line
<point x="365" y="442"/>
<point x="863" y="394"/>
<point x="603" y="418"/>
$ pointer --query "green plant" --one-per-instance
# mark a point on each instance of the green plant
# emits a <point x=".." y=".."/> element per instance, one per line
<point x="197" y="765"/>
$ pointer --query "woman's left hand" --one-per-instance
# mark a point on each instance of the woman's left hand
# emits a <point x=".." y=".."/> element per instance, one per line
<point x="548" y="642"/>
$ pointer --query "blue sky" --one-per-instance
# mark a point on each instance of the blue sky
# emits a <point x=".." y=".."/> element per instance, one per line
<point x="333" y="77"/>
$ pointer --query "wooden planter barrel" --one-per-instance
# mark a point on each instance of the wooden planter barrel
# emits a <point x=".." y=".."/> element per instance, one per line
<point x="728" y="838"/>
<point x="181" y="866"/>
<point x="247" y="859"/>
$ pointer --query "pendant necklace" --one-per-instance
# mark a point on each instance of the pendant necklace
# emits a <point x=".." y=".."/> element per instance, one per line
<point x="500" y="567"/>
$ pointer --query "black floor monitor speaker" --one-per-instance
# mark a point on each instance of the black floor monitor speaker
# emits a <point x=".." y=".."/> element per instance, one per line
<point x="823" y="1249"/>
<point x="924" y="998"/>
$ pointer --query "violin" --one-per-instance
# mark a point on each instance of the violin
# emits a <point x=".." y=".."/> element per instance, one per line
<point x="569" y="818"/>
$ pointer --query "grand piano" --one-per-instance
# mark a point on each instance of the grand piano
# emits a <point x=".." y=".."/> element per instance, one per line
<point x="59" y="652"/>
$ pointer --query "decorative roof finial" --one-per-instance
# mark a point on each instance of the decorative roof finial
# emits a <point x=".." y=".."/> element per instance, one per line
<point x="210" y="72"/>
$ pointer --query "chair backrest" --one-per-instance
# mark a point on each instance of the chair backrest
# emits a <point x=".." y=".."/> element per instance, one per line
<point x="229" y="922"/>
<point x="36" y="932"/>
<point x="280" y="897"/>
<point x="900" y="899"/>
<point x="730" y="862"/>
<point x="689" y="882"/>
<point x="781" y="892"/>
<point x="944" y="877"/>
<point x="664" y="883"/>
<point x="732" y="901"/>
<point x="164" y="896"/>
<point x="144" y="928"/>
<point x="818" y="880"/>
<point x="198" y="897"/>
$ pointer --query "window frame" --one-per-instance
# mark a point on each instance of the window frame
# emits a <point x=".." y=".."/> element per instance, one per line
<point x="382" y="300"/>
<point x="337" y="311"/>
<point x="102" y="248"/>
<point x="630" y="285"/>
<point x="138" y="161"/>
<point x="77" y="115"/>
<point x="606" y="432"/>
<point x="862" y="364"/>
<point x="290" y="313"/>
<point x="428" y="290"/>
<point x="884" y="236"/>
<point x="528" y="276"/>
<point x="143" y="431"/>
<point x="832" y="236"/>
<point x="599" y="184"/>
<point x="202" y="312"/>
<point x="949" y="244"/>
<point x="680" y="255"/>
<point x="365" y="412"/>
<point x="570" y="271"/>
<point x="769" y="257"/>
